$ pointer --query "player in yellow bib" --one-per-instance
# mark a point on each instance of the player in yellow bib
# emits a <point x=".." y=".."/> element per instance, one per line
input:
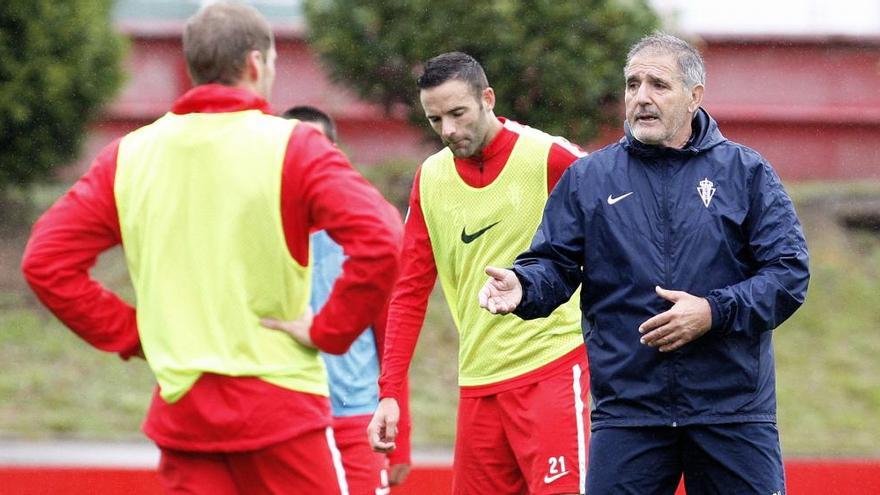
<point x="522" y="419"/>
<point x="213" y="204"/>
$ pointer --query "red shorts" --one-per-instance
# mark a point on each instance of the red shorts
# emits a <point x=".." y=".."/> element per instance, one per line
<point x="307" y="463"/>
<point x="531" y="439"/>
<point x="365" y="470"/>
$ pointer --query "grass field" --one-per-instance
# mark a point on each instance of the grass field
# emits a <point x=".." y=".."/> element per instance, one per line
<point x="827" y="367"/>
<point x="54" y="385"/>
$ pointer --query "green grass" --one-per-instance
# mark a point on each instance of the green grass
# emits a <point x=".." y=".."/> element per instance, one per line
<point x="434" y="377"/>
<point x="54" y="385"/>
<point x="828" y="369"/>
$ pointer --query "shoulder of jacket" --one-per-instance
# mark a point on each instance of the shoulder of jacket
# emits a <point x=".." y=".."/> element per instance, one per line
<point x="602" y="158"/>
<point x="749" y="153"/>
<point x="748" y="159"/>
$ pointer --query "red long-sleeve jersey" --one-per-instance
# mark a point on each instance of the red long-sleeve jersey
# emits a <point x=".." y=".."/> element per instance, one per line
<point x="402" y="454"/>
<point x="409" y="299"/>
<point x="319" y="190"/>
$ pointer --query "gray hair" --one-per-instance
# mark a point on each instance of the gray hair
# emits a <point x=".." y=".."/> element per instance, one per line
<point x="690" y="62"/>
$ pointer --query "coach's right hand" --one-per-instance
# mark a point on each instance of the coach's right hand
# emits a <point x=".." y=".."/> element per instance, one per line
<point x="502" y="292"/>
<point x="382" y="430"/>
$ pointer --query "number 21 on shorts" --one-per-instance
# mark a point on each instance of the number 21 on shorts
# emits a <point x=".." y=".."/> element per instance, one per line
<point x="556" y="469"/>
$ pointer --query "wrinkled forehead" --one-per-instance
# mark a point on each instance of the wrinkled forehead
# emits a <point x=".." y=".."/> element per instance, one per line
<point x="653" y="63"/>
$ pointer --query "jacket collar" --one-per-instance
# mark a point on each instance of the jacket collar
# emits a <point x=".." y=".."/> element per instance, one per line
<point x="217" y="98"/>
<point x="704" y="135"/>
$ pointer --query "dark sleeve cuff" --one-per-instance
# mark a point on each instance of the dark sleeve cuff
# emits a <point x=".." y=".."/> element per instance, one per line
<point x="717" y="319"/>
<point x="525" y="310"/>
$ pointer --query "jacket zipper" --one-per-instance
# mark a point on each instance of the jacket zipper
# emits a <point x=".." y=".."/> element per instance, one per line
<point x="667" y="233"/>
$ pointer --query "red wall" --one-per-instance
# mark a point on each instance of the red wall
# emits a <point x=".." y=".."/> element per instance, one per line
<point x="809" y="105"/>
<point x="157" y="76"/>
<point x="804" y="477"/>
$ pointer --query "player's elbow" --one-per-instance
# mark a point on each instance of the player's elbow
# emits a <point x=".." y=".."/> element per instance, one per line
<point x="34" y="269"/>
<point x="336" y="348"/>
<point x="331" y="344"/>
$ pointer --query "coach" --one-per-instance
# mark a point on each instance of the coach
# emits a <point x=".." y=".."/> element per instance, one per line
<point x="689" y="252"/>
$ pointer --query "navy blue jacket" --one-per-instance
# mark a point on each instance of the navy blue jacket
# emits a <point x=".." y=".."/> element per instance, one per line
<point x="711" y="219"/>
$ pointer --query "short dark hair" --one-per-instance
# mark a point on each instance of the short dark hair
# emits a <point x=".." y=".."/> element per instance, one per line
<point x="218" y="38"/>
<point x="453" y="65"/>
<point x="306" y="113"/>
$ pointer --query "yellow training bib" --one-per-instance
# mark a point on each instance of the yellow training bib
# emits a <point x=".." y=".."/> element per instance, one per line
<point x="471" y="228"/>
<point x="199" y="199"/>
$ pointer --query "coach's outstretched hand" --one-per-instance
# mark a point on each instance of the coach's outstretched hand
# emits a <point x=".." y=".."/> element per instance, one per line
<point x="502" y="292"/>
<point x="382" y="430"/>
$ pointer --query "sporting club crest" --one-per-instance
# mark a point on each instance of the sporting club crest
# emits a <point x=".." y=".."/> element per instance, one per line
<point x="707" y="191"/>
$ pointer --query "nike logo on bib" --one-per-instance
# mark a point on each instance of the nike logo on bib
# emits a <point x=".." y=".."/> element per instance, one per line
<point x="612" y="200"/>
<point x="469" y="238"/>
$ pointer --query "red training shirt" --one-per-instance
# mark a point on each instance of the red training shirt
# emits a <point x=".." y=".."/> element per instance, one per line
<point x="319" y="190"/>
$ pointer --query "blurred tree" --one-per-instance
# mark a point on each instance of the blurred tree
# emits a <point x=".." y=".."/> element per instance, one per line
<point x="59" y="61"/>
<point x="394" y="178"/>
<point x="557" y="66"/>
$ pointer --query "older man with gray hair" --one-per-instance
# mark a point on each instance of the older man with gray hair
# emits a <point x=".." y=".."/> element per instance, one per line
<point x="689" y="253"/>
